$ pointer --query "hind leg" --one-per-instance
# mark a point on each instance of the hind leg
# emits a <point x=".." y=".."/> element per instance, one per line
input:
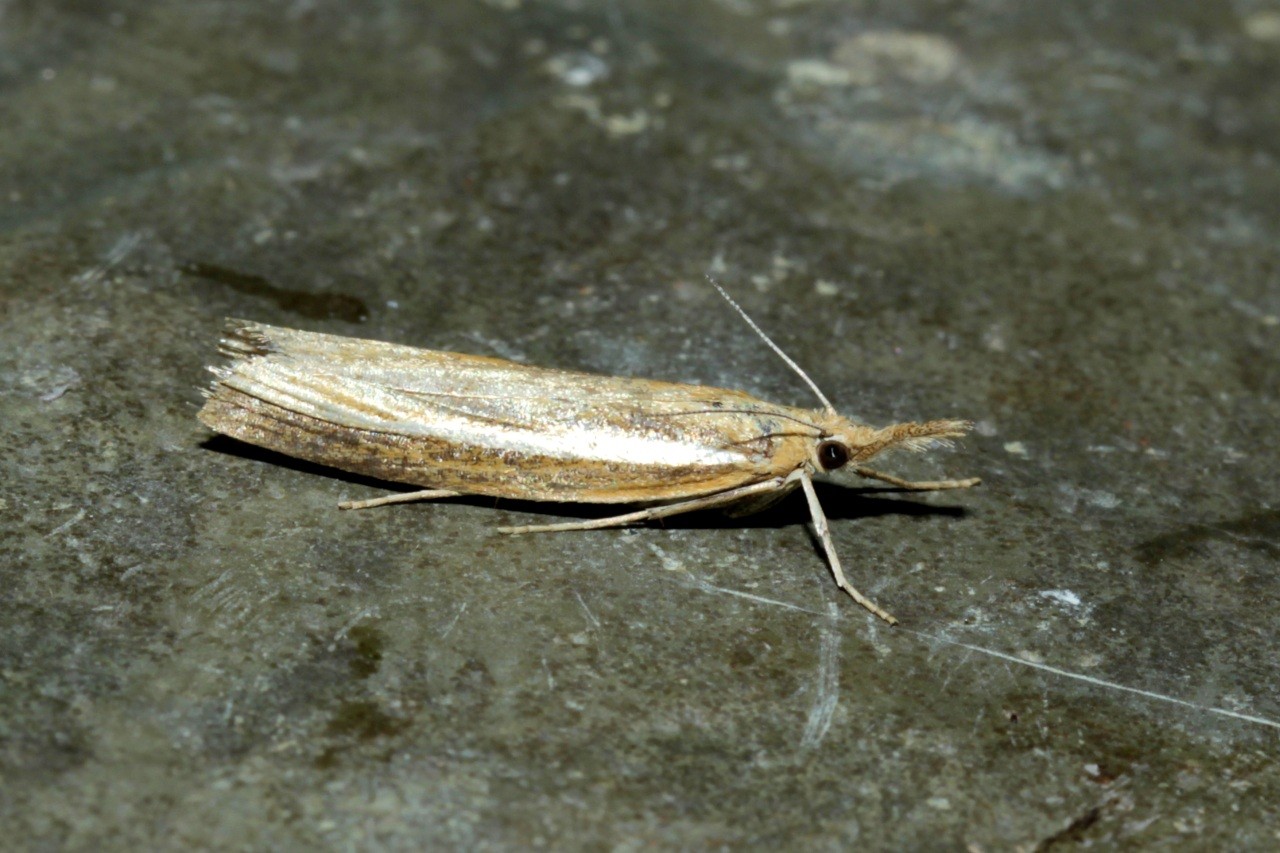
<point x="404" y="497"/>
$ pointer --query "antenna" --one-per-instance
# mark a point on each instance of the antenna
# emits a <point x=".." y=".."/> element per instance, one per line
<point x="790" y="363"/>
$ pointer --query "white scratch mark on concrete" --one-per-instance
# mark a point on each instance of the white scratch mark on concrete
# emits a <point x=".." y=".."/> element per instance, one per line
<point x="827" y="687"/>
<point x="1098" y="682"/>
<point x="66" y="525"/>
<point x="759" y="599"/>
<point x="591" y="617"/>
<point x="454" y="620"/>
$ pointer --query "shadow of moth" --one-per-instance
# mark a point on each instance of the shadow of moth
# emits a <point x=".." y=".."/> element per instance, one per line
<point x="474" y="425"/>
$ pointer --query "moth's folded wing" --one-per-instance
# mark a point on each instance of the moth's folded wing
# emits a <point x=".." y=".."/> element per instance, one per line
<point x="363" y="404"/>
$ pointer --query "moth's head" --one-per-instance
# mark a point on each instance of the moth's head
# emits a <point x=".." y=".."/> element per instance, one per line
<point x="843" y="441"/>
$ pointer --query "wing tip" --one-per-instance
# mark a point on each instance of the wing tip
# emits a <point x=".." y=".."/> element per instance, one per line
<point x="246" y="339"/>
<point x="242" y="341"/>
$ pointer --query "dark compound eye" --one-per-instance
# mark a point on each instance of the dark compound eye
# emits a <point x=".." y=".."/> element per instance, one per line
<point x="832" y="455"/>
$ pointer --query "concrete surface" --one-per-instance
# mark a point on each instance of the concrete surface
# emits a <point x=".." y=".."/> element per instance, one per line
<point x="1057" y="219"/>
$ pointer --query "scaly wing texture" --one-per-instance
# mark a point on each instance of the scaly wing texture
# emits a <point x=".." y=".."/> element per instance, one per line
<point x="487" y="426"/>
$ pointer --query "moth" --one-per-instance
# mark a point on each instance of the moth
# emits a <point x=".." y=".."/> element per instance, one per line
<point x="474" y="425"/>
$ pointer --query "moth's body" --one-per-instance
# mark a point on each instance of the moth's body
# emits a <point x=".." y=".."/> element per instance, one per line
<point x="466" y="424"/>
<point x="486" y="426"/>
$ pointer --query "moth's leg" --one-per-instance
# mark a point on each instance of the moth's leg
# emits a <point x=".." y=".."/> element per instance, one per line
<point x="402" y="497"/>
<point x="718" y="499"/>
<point x="824" y="535"/>
<point x="917" y="485"/>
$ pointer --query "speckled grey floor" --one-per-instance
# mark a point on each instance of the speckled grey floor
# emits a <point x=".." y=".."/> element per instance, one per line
<point x="1057" y="219"/>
